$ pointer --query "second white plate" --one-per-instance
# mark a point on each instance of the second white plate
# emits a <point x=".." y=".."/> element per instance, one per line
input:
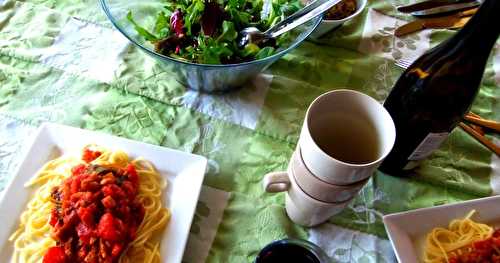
<point x="407" y="230"/>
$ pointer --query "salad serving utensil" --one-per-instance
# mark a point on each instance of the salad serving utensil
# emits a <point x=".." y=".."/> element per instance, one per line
<point x="255" y="36"/>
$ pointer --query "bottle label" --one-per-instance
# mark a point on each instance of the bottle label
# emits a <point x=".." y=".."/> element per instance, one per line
<point x="411" y="165"/>
<point x="430" y="143"/>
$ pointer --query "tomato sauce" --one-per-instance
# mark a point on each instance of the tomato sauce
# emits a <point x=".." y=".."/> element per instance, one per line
<point x="484" y="251"/>
<point x="96" y="213"/>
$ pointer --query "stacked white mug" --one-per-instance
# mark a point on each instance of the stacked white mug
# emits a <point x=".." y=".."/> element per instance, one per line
<point x="345" y="136"/>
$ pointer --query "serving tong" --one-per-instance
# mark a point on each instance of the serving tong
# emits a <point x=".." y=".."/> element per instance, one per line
<point x="476" y="126"/>
<point x="314" y="9"/>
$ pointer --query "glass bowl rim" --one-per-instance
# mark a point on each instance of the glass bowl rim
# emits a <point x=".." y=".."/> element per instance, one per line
<point x="297" y="41"/>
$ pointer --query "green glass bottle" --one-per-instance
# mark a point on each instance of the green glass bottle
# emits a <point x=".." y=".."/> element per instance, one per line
<point x="437" y="90"/>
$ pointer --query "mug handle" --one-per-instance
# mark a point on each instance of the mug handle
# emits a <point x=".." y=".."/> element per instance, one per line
<point x="276" y="182"/>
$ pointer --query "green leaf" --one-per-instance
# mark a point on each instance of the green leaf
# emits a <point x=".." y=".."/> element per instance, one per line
<point x="140" y="30"/>
<point x="250" y="50"/>
<point x="228" y="31"/>
<point x="237" y="4"/>
<point x="290" y="8"/>
<point x="264" y="52"/>
<point x="212" y="51"/>
<point x="194" y="12"/>
<point x="162" y="25"/>
<point x="239" y="18"/>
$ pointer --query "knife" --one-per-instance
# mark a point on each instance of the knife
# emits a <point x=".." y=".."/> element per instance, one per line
<point x="446" y="9"/>
<point x="428" y="5"/>
<point x="452" y="21"/>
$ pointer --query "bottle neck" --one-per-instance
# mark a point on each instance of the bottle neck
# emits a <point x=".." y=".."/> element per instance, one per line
<point x="480" y="34"/>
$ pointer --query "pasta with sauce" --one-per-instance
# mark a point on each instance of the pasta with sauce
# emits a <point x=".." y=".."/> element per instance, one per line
<point x="443" y="244"/>
<point x="34" y="240"/>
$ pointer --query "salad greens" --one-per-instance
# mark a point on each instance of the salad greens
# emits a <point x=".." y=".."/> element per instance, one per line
<point x="206" y="31"/>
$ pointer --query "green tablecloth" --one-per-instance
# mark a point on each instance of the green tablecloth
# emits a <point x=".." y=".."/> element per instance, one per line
<point x="61" y="61"/>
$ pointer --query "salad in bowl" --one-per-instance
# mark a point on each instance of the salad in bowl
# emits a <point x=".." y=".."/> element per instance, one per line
<point x="206" y="32"/>
<point x="198" y="39"/>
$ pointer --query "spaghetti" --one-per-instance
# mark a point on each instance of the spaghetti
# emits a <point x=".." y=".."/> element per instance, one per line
<point x="33" y="240"/>
<point x="443" y="244"/>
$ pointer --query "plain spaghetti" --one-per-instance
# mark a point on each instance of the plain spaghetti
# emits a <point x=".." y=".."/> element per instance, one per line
<point x="99" y="207"/>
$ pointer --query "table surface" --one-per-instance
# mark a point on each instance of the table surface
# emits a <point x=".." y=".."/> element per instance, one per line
<point x="61" y="61"/>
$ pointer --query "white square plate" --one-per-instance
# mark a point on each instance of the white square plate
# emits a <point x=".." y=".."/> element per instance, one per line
<point x="183" y="171"/>
<point x="407" y="230"/>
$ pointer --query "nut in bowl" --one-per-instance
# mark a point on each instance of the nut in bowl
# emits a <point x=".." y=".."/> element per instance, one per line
<point x="338" y="15"/>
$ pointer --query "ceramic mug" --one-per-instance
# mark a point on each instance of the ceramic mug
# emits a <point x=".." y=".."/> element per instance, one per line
<point x="300" y="207"/>
<point x="345" y="136"/>
<point x="310" y="184"/>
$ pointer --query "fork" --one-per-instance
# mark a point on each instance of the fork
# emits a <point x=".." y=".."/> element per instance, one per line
<point x="403" y="63"/>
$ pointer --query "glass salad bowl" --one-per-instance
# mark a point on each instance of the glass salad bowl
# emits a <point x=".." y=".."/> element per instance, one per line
<point x="202" y="77"/>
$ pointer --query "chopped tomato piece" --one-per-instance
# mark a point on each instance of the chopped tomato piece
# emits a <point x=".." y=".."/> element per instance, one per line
<point x="89" y="155"/>
<point x="84" y="233"/>
<point x="54" y="217"/>
<point x="86" y="214"/>
<point x="79" y="169"/>
<point x="117" y="249"/>
<point x="113" y="190"/>
<point x="108" y="202"/>
<point x="55" y="255"/>
<point x="107" y="228"/>
<point x="129" y="189"/>
<point x="132" y="174"/>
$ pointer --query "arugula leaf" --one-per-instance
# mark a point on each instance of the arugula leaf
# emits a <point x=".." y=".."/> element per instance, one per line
<point x="239" y="18"/>
<point x="212" y="52"/>
<point x="140" y="30"/>
<point x="264" y="52"/>
<point x="238" y="4"/>
<point x="193" y="14"/>
<point x="228" y="31"/>
<point x="290" y="8"/>
<point x="162" y="25"/>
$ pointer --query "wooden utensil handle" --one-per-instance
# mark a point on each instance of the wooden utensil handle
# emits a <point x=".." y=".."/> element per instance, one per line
<point x="490" y="145"/>
<point x="468" y="12"/>
<point x="493" y="125"/>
